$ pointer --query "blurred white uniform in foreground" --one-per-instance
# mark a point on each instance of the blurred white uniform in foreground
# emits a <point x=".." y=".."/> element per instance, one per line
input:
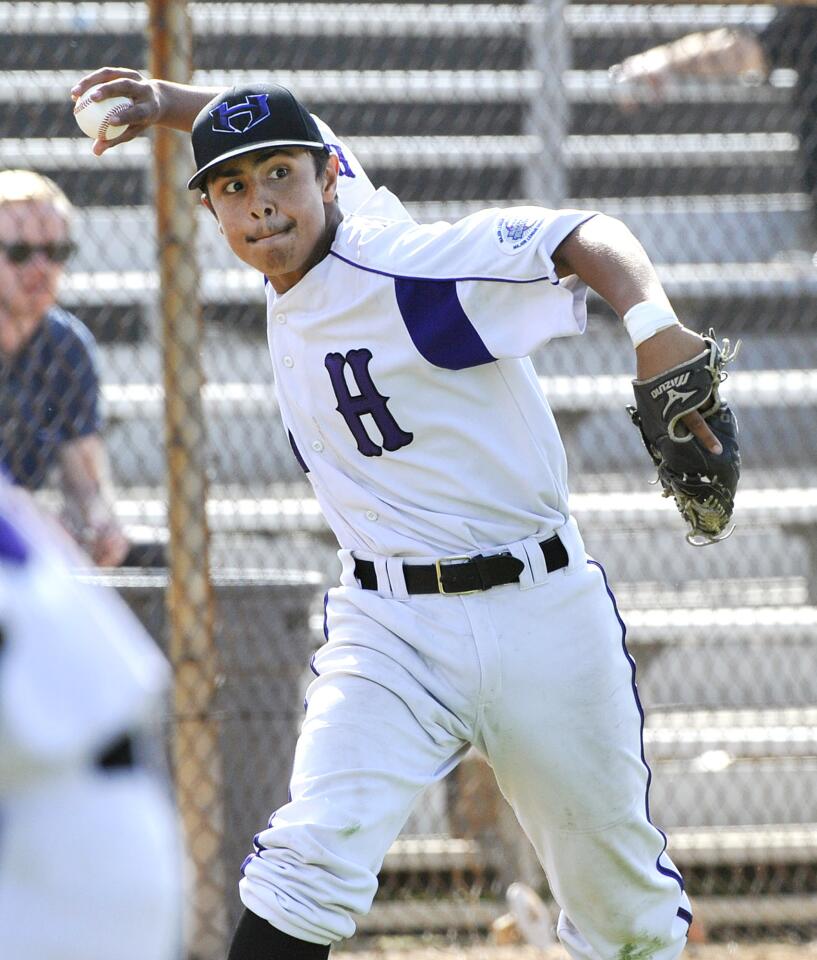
<point x="89" y="846"/>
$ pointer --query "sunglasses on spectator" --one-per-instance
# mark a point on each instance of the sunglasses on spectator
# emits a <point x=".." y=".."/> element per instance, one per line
<point x="23" y="252"/>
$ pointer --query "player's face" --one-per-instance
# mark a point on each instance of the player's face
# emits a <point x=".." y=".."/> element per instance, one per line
<point x="276" y="215"/>
<point x="34" y="238"/>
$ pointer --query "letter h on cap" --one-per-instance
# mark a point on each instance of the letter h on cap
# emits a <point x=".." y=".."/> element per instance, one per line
<point x="255" y="108"/>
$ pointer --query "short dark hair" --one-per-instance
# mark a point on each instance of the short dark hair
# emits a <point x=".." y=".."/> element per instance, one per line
<point x="320" y="158"/>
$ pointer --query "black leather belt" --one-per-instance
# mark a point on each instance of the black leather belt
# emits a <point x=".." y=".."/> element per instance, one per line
<point x="455" y="576"/>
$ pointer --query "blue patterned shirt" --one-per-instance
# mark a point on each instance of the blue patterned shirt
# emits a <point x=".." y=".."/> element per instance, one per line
<point x="48" y="395"/>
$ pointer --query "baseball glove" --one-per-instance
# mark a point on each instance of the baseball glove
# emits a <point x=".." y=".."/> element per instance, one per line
<point x="702" y="483"/>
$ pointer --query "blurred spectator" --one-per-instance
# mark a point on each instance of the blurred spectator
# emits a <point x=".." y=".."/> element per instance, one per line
<point x="788" y="41"/>
<point x="91" y="862"/>
<point x="49" y="413"/>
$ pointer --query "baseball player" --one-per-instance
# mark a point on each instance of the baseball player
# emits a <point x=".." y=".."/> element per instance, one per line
<point x="89" y="845"/>
<point x="468" y="613"/>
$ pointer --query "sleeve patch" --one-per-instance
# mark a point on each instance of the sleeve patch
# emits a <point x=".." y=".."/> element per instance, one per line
<point x="514" y="233"/>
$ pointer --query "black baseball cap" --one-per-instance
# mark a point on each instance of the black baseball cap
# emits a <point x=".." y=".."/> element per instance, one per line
<point x="248" y="118"/>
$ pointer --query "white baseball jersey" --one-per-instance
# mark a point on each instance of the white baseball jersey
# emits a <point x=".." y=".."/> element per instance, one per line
<point x="402" y="376"/>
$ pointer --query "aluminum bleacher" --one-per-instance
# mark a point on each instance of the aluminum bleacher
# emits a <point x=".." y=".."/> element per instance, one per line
<point x="437" y="56"/>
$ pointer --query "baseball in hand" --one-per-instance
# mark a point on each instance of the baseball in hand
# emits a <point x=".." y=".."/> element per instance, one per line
<point x="97" y="118"/>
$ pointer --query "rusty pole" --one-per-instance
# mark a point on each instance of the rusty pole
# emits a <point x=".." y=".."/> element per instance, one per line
<point x="191" y="642"/>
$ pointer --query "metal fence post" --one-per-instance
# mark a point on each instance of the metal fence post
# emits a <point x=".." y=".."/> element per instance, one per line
<point x="196" y="752"/>
<point x="545" y="177"/>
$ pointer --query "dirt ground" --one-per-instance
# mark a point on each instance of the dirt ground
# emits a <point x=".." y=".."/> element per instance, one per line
<point x="487" y="951"/>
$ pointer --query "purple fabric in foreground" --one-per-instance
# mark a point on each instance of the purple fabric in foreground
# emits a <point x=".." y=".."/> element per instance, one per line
<point x="12" y="546"/>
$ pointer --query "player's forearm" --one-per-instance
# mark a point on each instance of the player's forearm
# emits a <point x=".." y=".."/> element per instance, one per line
<point x="610" y="260"/>
<point x="604" y="254"/>
<point x="180" y="103"/>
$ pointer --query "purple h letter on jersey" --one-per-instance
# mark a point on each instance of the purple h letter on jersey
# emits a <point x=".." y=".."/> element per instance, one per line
<point x="369" y="400"/>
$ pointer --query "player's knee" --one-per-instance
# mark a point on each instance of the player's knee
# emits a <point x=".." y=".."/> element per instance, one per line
<point x="634" y="935"/>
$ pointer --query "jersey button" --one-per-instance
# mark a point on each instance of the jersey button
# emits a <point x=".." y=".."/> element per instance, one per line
<point x="317" y="446"/>
<point x="281" y="317"/>
<point x="371" y="515"/>
<point x="289" y="362"/>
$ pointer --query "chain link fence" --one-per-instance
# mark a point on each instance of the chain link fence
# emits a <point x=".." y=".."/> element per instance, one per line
<point x="702" y="138"/>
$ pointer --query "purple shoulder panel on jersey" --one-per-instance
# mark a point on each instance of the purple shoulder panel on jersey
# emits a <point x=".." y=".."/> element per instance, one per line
<point x="437" y="324"/>
<point x="12" y="546"/>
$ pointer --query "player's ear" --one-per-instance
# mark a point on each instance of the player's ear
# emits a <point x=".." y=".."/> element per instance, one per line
<point x="205" y="202"/>
<point x="330" y="179"/>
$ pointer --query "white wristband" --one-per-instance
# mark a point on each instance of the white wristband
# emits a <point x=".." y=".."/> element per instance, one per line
<point x="645" y="319"/>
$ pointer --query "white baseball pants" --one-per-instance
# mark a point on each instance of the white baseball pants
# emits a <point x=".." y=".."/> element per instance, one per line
<point x="537" y="677"/>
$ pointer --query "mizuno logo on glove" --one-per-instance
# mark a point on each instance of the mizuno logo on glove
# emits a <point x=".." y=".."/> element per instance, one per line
<point x="672" y="396"/>
<point x="678" y="381"/>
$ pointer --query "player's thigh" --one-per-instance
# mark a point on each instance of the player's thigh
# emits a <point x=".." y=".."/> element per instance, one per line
<point x="376" y="732"/>
<point x="90" y="866"/>
<point x="362" y="760"/>
<point x="564" y="734"/>
<point x="373" y="738"/>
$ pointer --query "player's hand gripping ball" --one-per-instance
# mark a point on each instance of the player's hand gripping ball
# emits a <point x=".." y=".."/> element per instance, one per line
<point x="97" y="118"/>
<point x="702" y="483"/>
